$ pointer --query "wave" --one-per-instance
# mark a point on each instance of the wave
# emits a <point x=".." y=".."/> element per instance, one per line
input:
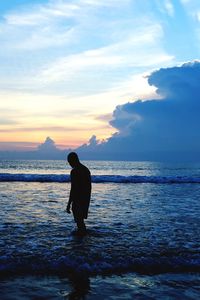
<point x="80" y="264"/>
<point x="98" y="178"/>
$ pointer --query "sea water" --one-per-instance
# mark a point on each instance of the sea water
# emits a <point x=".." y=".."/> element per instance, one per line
<point x="143" y="237"/>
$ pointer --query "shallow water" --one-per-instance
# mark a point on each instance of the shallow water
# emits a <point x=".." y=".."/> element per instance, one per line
<point x="151" y="230"/>
<point x="142" y="227"/>
<point x="127" y="286"/>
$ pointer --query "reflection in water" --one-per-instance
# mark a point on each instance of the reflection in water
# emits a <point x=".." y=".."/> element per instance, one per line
<point x="80" y="287"/>
<point x="79" y="279"/>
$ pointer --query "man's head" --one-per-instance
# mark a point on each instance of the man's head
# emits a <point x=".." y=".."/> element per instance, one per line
<point x="73" y="159"/>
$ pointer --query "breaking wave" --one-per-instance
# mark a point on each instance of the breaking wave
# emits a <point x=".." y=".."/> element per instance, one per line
<point x="69" y="264"/>
<point x="98" y="178"/>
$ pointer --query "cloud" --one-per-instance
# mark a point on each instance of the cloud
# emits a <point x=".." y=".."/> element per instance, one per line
<point x="169" y="7"/>
<point x="39" y="26"/>
<point x="54" y="23"/>
<point x="6" y="121"/>
<point x="166" y="6"/>
<point x="64" y="129"/>
<point x="28" y="150"/>
<point x="106" y="3"/>
<point x="8" y="117"/>
<point x="103" y="117"/>
<point x="103" y="68"/>
<point x="48" y="146"/>
<point x="159" y="129"/>
<point x="35" y="36"/>
<point x="91" y="149"/>
<point x="42" y="14"/>
<point x="78" y="47"/>
<point x="19" y="146"/>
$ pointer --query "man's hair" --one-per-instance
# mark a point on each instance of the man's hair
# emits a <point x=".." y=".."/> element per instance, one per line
<point x="72" y="156"/>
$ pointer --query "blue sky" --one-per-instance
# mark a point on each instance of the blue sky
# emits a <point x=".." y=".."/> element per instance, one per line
<point x="66" y="65"/>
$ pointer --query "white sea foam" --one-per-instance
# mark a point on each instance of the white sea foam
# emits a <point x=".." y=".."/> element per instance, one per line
<point x="98" y="178"/>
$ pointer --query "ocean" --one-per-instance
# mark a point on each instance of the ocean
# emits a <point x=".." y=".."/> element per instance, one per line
<point x="143" y="238"/>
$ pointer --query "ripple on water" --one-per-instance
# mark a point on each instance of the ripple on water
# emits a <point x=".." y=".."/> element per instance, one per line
<point x="138" y="231"/>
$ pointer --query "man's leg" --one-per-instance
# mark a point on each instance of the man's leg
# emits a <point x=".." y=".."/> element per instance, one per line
<point x="81" y="225"/>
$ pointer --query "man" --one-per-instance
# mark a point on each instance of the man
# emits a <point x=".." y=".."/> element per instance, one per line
<point x="80" y="192"/>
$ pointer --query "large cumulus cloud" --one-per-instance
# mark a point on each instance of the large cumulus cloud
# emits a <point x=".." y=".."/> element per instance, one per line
<point x="159" y="129"/>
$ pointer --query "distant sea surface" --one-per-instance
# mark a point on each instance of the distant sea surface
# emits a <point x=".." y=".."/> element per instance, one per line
<point x="143" y="237"/>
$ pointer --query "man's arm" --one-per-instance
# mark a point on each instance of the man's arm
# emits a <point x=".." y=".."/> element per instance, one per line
<point x="68" y="208"/>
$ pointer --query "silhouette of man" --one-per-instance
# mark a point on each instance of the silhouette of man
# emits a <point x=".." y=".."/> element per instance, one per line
<point x="80" y="192"/>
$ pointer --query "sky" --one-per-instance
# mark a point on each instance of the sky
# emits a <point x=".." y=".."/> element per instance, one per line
<point x="165" y="129"/>
<point x="72" y="69"/>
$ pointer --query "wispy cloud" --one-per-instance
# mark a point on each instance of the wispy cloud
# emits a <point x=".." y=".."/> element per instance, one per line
<point x="106" y="3"/>
<point x="40" y="26"/>
<point x="115" y="45"/>
<point x="169" y="7"/>
<point x="19" y="146"/>
<point x="50" y="129"/>
<point x="44" y="25"/>
<point x="7" y="121"/>
<point x="131" y="52"/>
<point x="42" y="14"/>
